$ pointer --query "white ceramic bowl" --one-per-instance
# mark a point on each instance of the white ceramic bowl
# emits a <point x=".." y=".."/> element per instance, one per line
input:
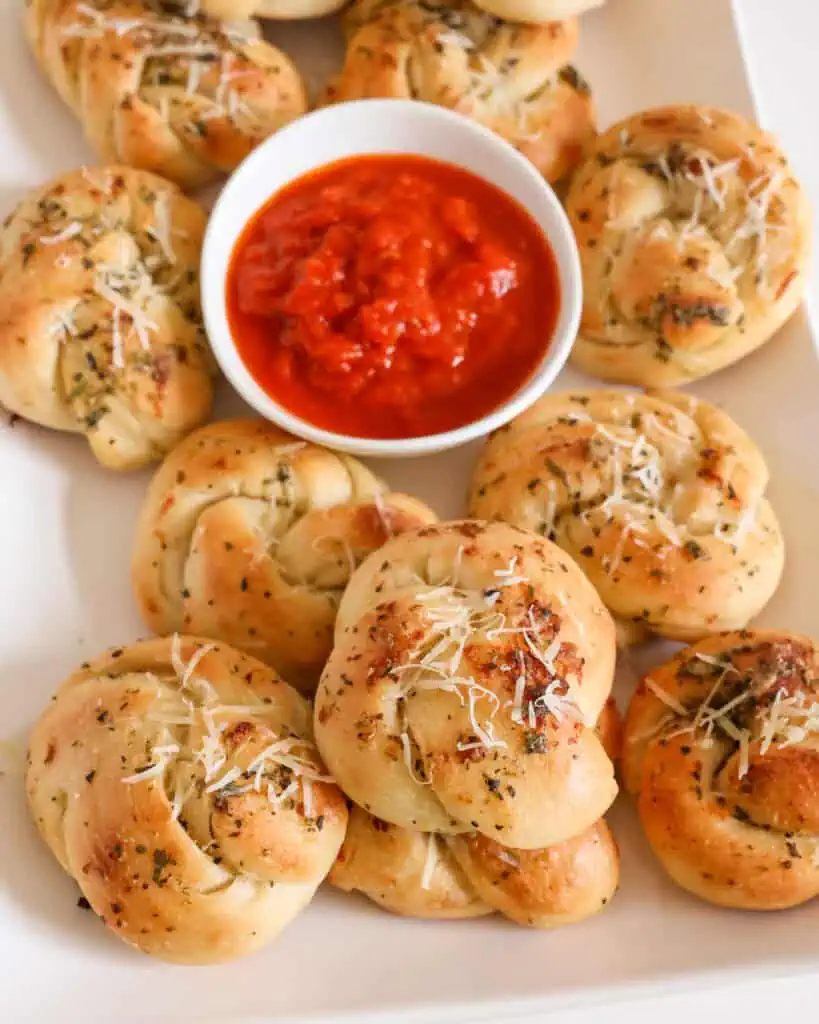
<point x="384" y="126"/>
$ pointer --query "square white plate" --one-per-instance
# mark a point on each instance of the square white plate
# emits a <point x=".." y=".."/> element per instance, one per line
<point x="65" y="537"/>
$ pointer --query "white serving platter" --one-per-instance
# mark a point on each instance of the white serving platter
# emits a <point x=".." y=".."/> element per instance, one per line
<point x="65" y="537"/>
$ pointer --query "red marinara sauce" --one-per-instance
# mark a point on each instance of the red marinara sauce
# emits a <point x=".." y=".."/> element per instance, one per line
<point x="392" y="296"/>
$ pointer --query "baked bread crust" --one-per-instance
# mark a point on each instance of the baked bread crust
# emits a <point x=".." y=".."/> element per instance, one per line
<point x="410" y="873"/>
<point x="100" y="330"/>
<point x="275" y="10"/>
<point x="537" y="12"/>
<point x="249" y="535"/>
<point x="177" y="782"/>
<point x="468" y="659"/>
<point x="694" y="239"/>
<point x="660" y="497"/>
<point x="515" y="79"/>
<point x="182" y="97"/>
<point x="472" y="876"/>
<point x="419" y="874"/>
<point x="721" y="753"/>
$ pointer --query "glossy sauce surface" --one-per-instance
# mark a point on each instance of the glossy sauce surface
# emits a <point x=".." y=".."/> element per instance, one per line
<point x="392" y="296"/>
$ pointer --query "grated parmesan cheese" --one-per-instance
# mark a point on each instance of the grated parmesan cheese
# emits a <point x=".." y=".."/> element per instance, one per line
<point x="452" y="38"/>
<point x="160" y="230"/>
<point x="665" y="697"/>
<point x="277" y="799"/>
<point x="406" y="750"/>
<point x="200" y="699"/>
<point x="151" y="772"/>
<point x="307" y="797"/>
<point x="141" y="321"/>
<point x="291" y="449"/>
<point x="430" y="861"/>
<point x="69" y="231"/>
<point x="224" y="780"/>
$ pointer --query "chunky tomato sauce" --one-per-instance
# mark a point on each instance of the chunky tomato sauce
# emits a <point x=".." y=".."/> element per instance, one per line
<point x="392" y="296"/>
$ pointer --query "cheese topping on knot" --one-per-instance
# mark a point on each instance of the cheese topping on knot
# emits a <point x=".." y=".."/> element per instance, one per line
<point x="471" y="661"/>
<point x="722" y="752"/>
<point x="536" y="12"/>
<point x="101" y="331"/>
<point x="660" y="497"/>
<point x="515" y="79"/>
<point x="183" y="97"/>
<point x="177" y="781"/>
<point x="694" y="237"/>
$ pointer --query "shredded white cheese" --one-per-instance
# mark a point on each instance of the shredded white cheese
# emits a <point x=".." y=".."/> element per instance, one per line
<point x="160" y="231"/>
<point x="141" y="321"/>
<point x="199" y="699"/>
<point x="307" y="797"/>
<point x="665" y="697"/>
<point x="69" y="231"/>
<point x="152" y="771"/>
<point x="430" y="861"/>
<point x="406" y="750"/>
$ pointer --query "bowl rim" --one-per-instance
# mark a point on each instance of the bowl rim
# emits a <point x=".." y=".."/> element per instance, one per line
<point x="214" y="271"/>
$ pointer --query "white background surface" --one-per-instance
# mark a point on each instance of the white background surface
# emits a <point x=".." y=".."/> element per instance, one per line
<point x="73" y="599"/>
